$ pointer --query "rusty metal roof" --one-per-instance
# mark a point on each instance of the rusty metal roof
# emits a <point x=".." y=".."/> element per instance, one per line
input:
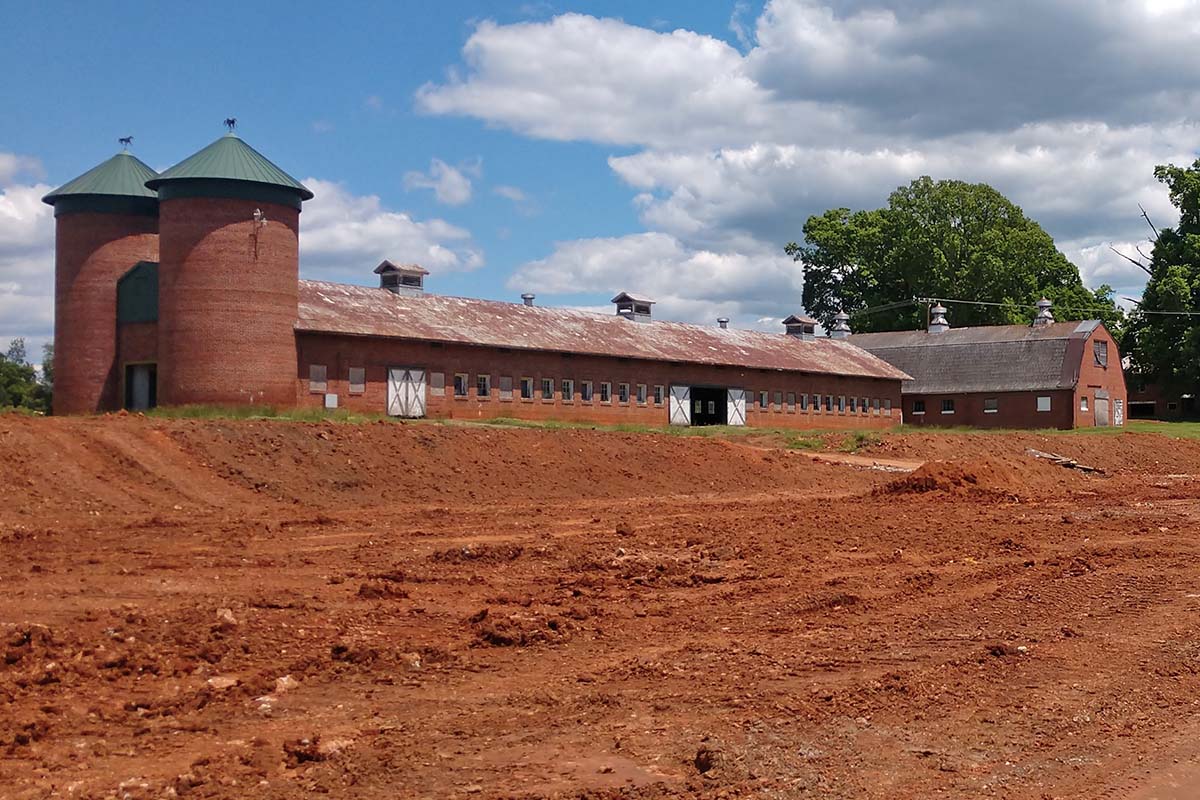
<point x="361" y="311"/>
<point x="994" y="358"/>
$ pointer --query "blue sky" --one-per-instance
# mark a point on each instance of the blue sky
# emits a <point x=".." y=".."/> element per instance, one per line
<point x="576" y="149"/>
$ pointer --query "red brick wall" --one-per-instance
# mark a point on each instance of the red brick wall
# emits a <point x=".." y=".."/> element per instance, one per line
<point x="339" y="353"/>
<point x="1014" y="410"/>
<point x="1092" y="376"/>
<point x="137" y="342"/>
<point x="92" y="251"/>
<point x="227" y="302"/>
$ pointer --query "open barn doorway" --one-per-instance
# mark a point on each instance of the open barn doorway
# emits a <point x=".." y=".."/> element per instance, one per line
<point x="709" y="405"/>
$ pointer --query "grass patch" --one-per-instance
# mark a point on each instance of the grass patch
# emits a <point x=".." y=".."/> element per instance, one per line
<point x="858" y="440"/>
<point x="806" y="443"/>
<point x="264" y="412"/>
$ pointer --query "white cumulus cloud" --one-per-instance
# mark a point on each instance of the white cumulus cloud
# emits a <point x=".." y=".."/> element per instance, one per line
<point x="449" y="185"/>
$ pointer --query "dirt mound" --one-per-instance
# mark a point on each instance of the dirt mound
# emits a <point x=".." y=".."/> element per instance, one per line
<point x="1004" y="477"/>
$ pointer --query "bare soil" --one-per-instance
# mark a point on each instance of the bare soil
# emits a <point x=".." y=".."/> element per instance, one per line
<point x="220" y="609"/>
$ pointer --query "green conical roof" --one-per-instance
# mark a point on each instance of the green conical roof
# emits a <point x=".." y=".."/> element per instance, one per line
<point x="229" y="158"/>
<point x="123" y="175"/>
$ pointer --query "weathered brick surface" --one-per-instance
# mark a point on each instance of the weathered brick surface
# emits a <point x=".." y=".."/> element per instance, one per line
<point x="1092" y="376"/>
<point x="227" y="302"/>
<point x="339" y="353"/>
<point x="92" y="251"/>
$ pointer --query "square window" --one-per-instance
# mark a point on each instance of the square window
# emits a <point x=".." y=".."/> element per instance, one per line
<point x="659" y="393"/>
<point x="641" y="394"/>
<point x="606" y="392"/>
<point x="623" y="392"/>
<point x="437" y="384"/>
<point x="483" y="385"/>
<point x="918" y="406"/>
<point x="585" y="391"/>
<point x="526" y="388"/>
<point x="567" y="389"/>
<point x="1083" y="404"/>
<point x="991" y="405"/>
<point x="460" y="384"/>
<point x="547" y="388"/>
<point x="1043" y="404"/>
<point x="316" y="378"/>
<point x="506" y="391"/>
<point x="791" y="402"/>
<point x="358" y="380"/>
<point x="947" y="405"/>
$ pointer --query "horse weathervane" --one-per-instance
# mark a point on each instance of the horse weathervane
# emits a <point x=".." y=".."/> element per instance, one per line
<point x="231" y="123"/>
<point x="125" y="141"/>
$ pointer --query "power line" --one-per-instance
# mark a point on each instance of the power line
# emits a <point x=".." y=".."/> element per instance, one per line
<point x="1013" y="304"/>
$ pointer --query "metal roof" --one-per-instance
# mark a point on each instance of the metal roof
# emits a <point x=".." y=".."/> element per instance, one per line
<point x="361" y="311"/>
<point x="632" y="298"/>
<point x="388" y="266"/>
<point x="123" y="175"/>
<point x="997" y="358"/>
<point x="230" y="158"/>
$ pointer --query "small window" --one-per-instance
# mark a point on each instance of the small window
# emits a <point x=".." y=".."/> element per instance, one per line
<point x="918" y="406"/>
<point x="841" y="405"/>
<point x="526" y="388"/>
<point x="547" y="388"/>
<point x="358" y="380"/>
<point x="829" y="403"/>
<point x="947" y="405"/>
<point x="460" y="384"/>
<point x="791" y="402"/>
<point x="410" y="280"/>
<point x="1083" y="406"/>
<point x="567" y="389"/>
<point x="641" y="394"/>
<point x="606" y="392"/>
<point x="779" y="401"/>
<point x="623" y="392"/>
<point x="659" y="393"/>
<point x="506" y="391"/>
<point x="1172" y="405"/>
<point x="887" y="407"/>
<point x="483" y="385"/>
<point x="437" y="384"/>
<point x="1043" y="404"/>
<point x="585" y="391"/>
<point x="639" y="308"/>
<point x="875" y="406"/>
<point x="804" y="402"/>
<point x="1100" y="350"/>
<point x="316" y="379"/>
<point x="762" y="401"/>
<point x="991" y="405"/>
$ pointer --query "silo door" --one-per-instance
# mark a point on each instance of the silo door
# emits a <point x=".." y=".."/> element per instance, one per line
<point x="1102" y="412"/>
<point x="681" y="405"/>
<point x="406" y="393"/>
<point x="735" y="408"/>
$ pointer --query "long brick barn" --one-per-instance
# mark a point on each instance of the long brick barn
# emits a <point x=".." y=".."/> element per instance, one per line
<point x="183" y="288"/>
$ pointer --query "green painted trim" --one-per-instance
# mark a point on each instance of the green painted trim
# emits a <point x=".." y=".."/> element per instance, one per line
<point x="105" y="204"/>
<point x="137" y="293"/>
<point x="230" y="189"/>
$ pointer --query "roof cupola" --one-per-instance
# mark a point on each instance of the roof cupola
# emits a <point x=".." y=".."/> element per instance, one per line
<point x="801" y="327"/>
<point x="1043" y="315"/>
<point x="401" y="279"/>
<point x="841" y="325"/>
<point x="633" y="307"/>
<point x="937" y="319"/>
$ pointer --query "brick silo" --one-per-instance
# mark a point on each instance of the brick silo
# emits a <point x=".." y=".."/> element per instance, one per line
<point x="228" y="278"/>
<point x="106" y="220"/>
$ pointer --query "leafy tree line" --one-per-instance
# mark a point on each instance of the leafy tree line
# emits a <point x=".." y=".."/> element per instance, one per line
<point x="1165" y="347"/>
<point x="20" y="384"/>
<point x="940" y="239"/>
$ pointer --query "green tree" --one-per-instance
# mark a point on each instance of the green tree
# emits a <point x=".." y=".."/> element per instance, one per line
<point x="1165" y="347"/>
<point x="19" y="385"/>
<point x="940" y="239"/>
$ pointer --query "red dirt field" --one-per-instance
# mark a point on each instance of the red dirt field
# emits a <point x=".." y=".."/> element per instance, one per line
<point x="220" y="609"/>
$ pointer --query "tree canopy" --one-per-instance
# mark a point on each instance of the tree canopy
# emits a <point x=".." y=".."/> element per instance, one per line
<point x="943" y="240"/>
<point x="20" y="386"/>
<point x="1166" y="347"/>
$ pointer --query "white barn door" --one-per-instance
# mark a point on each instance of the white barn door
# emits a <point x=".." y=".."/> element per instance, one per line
<point x="735" y="407"/>
<point x="681" y="405"/>
<point x="406" y="393"/>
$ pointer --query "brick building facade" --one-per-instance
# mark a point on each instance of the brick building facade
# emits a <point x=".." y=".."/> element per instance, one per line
<point x="184" y="288"/>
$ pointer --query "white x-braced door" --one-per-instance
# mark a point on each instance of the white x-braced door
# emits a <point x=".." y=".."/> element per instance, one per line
<point x="406" y="393"/>
<point x="681" y="405"/>
<point x="735" y="407"/>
